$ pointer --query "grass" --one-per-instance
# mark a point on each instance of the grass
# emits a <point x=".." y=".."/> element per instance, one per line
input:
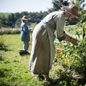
<point x="4" y="14"/>
<point x="14" y="68"/>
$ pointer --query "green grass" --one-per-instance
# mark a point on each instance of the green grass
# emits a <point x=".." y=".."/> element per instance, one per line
<point x="14" y="69"/>
<point x="4" y="14"/>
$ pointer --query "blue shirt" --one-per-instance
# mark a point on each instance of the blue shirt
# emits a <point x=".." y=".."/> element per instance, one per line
<point x="25" y="33"/>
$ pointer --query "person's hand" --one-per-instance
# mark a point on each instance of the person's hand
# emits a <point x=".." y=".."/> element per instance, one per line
<point x="71" y="39"/>
<point x="30" y="30"/>
<point x="74" y="41"/>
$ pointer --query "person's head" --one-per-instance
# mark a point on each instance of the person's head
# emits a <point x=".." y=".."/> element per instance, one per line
<point x="71" y="10"/>
<point x="25" y="18"/>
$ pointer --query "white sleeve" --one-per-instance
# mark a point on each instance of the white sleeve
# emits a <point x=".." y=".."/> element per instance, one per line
<point x="60" y="27"/>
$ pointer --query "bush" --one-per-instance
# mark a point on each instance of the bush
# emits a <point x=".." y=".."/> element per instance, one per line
<point x="70" y="67"/>
<point x="70" y="61"/>
<point x="9" y="31"/>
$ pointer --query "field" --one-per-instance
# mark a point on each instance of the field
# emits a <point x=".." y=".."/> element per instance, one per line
<point x="14" y="68"/>
<point x="69" y="63"/>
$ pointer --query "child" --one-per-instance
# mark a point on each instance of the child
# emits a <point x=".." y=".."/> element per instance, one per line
<point x="25" y="35"/>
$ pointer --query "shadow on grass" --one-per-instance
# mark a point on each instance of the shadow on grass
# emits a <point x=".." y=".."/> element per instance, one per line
<point x="4" y="47"/>
<point x="4" y="84"/>
<point x="2" y="73"/>
<point x="1" y="58"/>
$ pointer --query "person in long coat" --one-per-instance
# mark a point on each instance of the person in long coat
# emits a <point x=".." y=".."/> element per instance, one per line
<point x="43" y="49"/>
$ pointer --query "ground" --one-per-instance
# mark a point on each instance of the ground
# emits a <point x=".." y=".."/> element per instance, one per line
<point x="14" y="69"/>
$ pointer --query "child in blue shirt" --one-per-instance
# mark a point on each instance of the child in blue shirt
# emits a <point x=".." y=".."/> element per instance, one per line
<point x="25" y="35"/>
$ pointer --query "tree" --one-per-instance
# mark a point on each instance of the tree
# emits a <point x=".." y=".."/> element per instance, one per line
<point x="58" y="3"/>
<point x="79" y="3"/>
<point x="1" y="22"/>
<point x="10" y="21"/>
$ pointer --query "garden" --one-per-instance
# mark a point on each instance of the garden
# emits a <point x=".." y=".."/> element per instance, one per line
<point x="69" y="63"/>
<point x="68" y="68"/>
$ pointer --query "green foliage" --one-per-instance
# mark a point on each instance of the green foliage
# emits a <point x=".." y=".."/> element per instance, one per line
<point x="56" y="5"/>
<point x="14" y="19"/>
<point x="14" y="68"/>
<point x="1" y="24"/>
<point x="82" y="49"/>
<point x="9" y="31"/>
<point x="1" y="41"/>
<point x="76" y="2"/>
<point x="84" y="29"/>
<point x="33" y="25"/>
<point x="4" y="14"/>
<point x="2" y="45"/>
<point x="69" y="65"/>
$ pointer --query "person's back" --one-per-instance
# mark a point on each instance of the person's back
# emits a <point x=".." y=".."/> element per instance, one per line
<point x="25" y="33"/>
<point x="52" y="18"/>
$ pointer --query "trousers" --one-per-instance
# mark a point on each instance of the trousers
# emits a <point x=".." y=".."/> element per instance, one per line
<point x="25" y="45"/>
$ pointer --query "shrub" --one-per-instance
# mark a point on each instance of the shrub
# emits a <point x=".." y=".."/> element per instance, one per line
<point x="9" y="31"/>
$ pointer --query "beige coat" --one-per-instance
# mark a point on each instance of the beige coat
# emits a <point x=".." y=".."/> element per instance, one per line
<point x="43" y="36"/>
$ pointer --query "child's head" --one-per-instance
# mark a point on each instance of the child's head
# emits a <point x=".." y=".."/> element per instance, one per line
<point x="25" y="18"/>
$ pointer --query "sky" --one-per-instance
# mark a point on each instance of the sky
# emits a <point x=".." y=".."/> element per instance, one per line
<point x="25" y="5"/>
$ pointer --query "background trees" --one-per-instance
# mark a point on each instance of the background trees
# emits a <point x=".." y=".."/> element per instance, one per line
<point x="14" y="19"/>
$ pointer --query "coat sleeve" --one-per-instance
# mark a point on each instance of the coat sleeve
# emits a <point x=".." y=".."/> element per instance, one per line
<point x="60" y="28"/>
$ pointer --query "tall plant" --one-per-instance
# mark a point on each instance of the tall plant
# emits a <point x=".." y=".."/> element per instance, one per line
<point x="57" y="3"/>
